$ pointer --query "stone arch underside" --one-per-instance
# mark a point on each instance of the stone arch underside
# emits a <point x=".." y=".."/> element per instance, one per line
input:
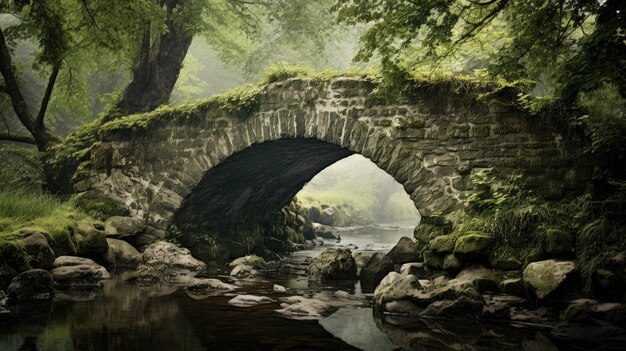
<point x="189" y="166"/>
<point x="255" y="183"/>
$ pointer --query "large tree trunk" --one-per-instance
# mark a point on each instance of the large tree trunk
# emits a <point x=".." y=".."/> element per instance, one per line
<point x="156" y="69"/>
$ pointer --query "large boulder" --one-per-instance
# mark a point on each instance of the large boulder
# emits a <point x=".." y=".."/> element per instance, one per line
<point x="328" y="216"/>
<point x="83" y="275"/>
<point x="249" y="300"/>
<point x="333" y="264"/>
<point x="442" y="244"/>
<point x="32" y="285"/>
<point x="314" y="214"/>
<point x="308" y="231"/>
<point x="243" y="271"/>
<point x="462" y="307"/>
<point x="66" y="261"/>
<point x="121" y="254"/>
<point x="418" y="269"/>
<point x="549" y="278"/>
<point x="250" y="260"/>
<point x="121" y="226"/>
<point x="484" y="279"/>
<point x="163" y="253"/>
<point x="396" y="287"/>
<point x="376" y="268"/>
<point x="404" y="251"/>
<point x="305" y="309"/>
<point x="473" y="247"/>
<point x="326" y="232"/>
<point x="209" y="285"/>
<point x="39" y="251"/>
<point x="164" y="261"/>
<point x="89" y="241"/>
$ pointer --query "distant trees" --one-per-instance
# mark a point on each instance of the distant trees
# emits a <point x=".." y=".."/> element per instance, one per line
<point x="145" y="39"/>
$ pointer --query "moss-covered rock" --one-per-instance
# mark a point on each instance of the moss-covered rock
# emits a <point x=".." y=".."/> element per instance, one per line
<point x="14" y="255"/>
<point x="89" y="241"/>
<point x="333" y="264"/>
<point x="549" y="278"/>
<point x="433" y="260"/>
<point x="442" y="244"/>
<point x="39" y="251"/>
<point x="101" y="208"/>
<point x="473" y="247"/>
<point x="31" y="285"/>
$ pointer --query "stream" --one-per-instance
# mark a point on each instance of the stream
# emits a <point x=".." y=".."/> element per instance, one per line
<point x="126" y="316"/>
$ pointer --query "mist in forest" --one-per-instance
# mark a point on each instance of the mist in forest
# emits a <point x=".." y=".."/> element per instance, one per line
<point x="357" y="182"/>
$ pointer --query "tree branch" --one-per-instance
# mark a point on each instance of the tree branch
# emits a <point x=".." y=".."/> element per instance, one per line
<point x="46" y="96"/>
<point x="12" y="87"/>
<point x="18" y="138"/>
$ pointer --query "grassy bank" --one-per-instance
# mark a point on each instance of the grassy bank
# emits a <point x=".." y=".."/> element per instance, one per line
<point x="33" y="211"/>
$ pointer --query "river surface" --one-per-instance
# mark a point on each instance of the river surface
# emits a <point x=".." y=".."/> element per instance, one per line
<point x="125" y="316"/>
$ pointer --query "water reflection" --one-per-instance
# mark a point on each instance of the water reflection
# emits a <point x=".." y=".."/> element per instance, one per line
<point x="126" y="317"/>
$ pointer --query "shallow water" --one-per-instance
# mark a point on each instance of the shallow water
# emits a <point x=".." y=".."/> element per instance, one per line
<point x="125" y="316"/>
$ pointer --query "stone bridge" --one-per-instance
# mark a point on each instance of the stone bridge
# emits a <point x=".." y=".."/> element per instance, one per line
<point x="213" y="162"/>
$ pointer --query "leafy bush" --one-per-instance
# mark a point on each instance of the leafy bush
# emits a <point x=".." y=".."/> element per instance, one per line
<point x="21" y="168"/>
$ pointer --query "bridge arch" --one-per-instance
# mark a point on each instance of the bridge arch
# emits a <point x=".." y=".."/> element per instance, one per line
<point x="199" y="164"/>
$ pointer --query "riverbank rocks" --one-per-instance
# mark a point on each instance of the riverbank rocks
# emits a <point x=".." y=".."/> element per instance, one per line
<point x="165" y="261"/>
<point x="249" y="300"/>
<point x="442" y="244"/>
<point x="32" y="285"/>
<point x="498" y="307"/>
<point x="404" y="251"/>
<point x="209" y="285"/>
<point x="326" y="232"/>
<point x="482" y="278"/>
<point x="171" y="256"/>
<point x="418" y="269"/>
<point x="243" y="271"/>
<point x="64" y="261"/>
<point x="376" y="268"/>
<point x="462" y="307"/>
<point x="83" y="275"/>
<point x="88" y="240"/>
<point x="39" y="251"/>
<point x="329" y="216"/>
<point x="547" y="278"/>
<point x="121" y="254"/>
<point x="473" y="247"/>
<point x="333" y="264"/>
<point x="396" y="287"/>
<point x="250" y="260"/>
<point x="300" y="308"/>
<point x="122" y="226"/>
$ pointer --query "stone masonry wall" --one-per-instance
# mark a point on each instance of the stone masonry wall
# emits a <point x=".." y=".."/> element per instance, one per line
<point x="430" y="142"/>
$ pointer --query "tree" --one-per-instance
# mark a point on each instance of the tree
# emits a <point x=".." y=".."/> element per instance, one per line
<point x="69" y="42"/>
<point x="576" y="43"/>
<point x="233" y="27"/>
